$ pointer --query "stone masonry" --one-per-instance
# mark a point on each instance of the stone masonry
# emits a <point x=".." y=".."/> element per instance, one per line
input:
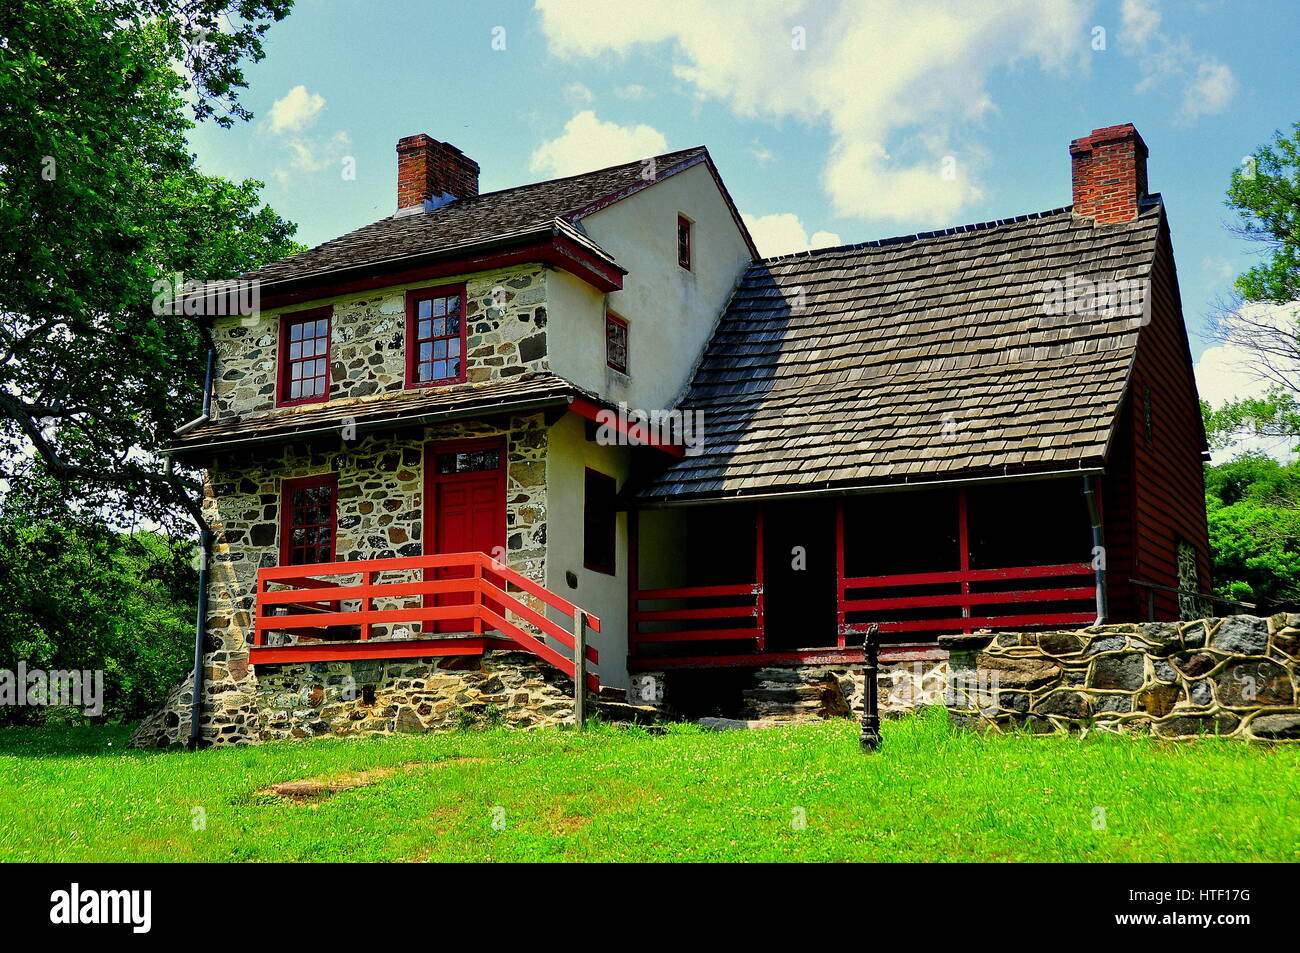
<point x="313" y="699"/>
<point x="506" y="337"/>
<point x="1237" y="677"/>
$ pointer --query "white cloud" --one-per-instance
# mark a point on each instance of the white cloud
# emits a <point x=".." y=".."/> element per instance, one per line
<point x="578" y="93"/>
<point x="1224" y="373"/>
<point x="632" y="91"/>
<point x="1169" y="61"/>
<point x="761" y="153"/>
<point x="587" y="143"/>
<point x="892" y="81"/>
<point x="1211" y="91"/>
<point x="314" y="155"/>
<point x="295" y="111"/>
<point x="783" y="233"/>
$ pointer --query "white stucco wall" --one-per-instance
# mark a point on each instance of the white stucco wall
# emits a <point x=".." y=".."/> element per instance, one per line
<point x="670" y="311"/>
<point x="569" y="454"/>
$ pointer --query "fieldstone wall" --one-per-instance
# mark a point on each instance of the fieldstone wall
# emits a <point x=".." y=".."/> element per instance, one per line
<point x="829" y="691"/>
<point x="380" y="516"/>
<point x="506" y="337"/>
<point x="1237" y="677"/>
<point x="313" y="699"/>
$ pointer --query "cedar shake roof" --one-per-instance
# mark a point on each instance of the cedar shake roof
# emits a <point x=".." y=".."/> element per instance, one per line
<point x="473" y="220"/>
<point x="915" y="359"/>
<point x="379" y="411"/>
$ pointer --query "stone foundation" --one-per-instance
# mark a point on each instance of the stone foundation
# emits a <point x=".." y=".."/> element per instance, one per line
<point x="311" y="699"/>
<point x="1237" y="677"/>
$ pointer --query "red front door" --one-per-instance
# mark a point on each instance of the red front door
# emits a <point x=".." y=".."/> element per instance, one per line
<point x="465" y="511"/>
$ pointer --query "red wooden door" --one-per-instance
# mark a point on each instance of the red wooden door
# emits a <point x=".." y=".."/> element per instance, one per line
<point x="464" y="513"/>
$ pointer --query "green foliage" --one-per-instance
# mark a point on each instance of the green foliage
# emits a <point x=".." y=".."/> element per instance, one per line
<point x="612" y="794"/>
<point x="1266" y="195"/>
<point x="80" y="596"/>
<point x="1253" y="504"/>
<point x="99" y="198"/>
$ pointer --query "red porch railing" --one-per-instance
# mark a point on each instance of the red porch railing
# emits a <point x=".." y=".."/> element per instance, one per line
<point x="970" y="608"/>
<point x="720" y="622"/>
<point x="486" y="600"/>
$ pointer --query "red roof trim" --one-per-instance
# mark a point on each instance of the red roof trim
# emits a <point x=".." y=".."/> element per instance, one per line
<point x="559" y="251"/>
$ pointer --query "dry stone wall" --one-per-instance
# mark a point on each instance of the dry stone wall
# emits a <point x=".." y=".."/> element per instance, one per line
<point x="315" y="699"/>
<point x="1237" y="677"/>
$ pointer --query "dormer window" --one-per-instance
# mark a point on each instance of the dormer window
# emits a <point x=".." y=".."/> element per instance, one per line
<point x="435" y="336"/>
<point x="304" y="357"/>
<point x="684" y="242"/>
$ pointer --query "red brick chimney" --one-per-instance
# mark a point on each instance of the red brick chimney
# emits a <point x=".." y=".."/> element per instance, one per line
<point x="427" y="169"/>
<point x="1109" y="171"/>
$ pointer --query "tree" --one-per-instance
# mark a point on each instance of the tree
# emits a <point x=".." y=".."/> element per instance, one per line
<point x="80" y="596"/>
<point x="1264" y="319"/>
<point x="99" y="199"/>
<point x="1253" y="504"/>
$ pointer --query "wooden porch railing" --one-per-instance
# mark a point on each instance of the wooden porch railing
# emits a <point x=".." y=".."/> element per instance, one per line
<point x="998" y="588"/>
<point x="490" y="605"/>
<point x="726" y="619"/>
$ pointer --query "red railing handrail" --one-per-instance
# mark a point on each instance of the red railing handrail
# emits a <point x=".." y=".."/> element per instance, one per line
<point x="481" y="588"/>
<point x="969" y="575"/>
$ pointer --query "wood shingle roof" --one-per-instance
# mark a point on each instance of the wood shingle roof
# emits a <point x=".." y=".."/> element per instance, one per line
<point x="467" y="222"/>
<point x="925" y="358"/>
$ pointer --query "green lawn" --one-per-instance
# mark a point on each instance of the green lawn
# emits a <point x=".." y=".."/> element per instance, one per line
<point x="610" y="794"/>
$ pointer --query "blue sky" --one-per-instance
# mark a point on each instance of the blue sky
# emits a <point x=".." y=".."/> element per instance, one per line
<point x="830" y="122"/>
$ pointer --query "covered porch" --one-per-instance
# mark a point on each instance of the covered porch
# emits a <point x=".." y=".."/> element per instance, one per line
<point x="799" y="581"/>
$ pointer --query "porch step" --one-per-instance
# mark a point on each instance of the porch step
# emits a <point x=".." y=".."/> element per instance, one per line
<point x="792" y="694"/>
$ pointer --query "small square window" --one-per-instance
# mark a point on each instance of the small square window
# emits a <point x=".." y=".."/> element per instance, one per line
<point x="684" y="242"/>
<point x="615" y="342"/>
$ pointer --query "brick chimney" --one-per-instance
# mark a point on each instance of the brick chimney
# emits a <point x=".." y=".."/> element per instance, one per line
<point x="428" y="169"/>
<point x="1109" y="172"/>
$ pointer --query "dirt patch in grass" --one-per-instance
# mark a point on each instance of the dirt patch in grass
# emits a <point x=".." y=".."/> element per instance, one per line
<point x="314" y="790"/>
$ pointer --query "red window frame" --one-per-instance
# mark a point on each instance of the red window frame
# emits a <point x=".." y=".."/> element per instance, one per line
<point x="287" y="363"/>
<point x="414" y="340"/>
<point x="684" y="227"/>
<point x="614" y="319"/>
<point x="287" y="510"/>
<point x="599" y="529"/>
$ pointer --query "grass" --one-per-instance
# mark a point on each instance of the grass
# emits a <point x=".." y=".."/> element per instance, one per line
<point x="931" y="794"/>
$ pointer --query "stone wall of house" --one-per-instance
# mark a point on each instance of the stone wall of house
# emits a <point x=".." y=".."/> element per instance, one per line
<point x="506" y="336"/>
<point x="1238" y="677"/>
<point x="313" y="699"/>
<point x="380" y="516"/>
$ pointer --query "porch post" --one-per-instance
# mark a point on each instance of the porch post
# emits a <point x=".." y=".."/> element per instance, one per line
<point x="1098" y="548"/>
<point x="963" y="549"/>
<point x="758" y="577"/>
<point x="579" y="668"/>
<point x="633" y="578"/>
<point x="840" y="634"/>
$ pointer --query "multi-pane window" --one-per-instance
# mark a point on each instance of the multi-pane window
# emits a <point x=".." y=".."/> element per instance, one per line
<point x="615" y="342"/>
<point x="599" y="521"/>
<point x="684" y="242"/>
<point x="304" y="357"/>
<point x="436" y="336"/>
<point x="308" y="520"/>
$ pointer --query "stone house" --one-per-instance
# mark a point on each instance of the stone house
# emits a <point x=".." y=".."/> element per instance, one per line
<point x="448" y="438"/>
